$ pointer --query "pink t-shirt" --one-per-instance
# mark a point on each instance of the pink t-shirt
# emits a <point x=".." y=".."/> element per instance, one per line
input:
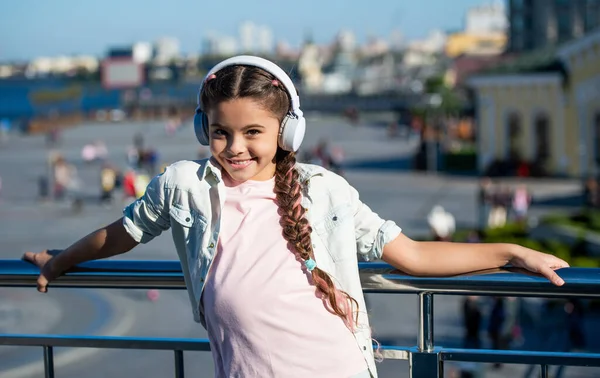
<point x="263" y="316"/>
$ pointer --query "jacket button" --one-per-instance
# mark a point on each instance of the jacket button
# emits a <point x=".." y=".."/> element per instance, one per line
<point x="212" y="245"/>
<point x="335" y="218"/>
<point x="187" y="219"/>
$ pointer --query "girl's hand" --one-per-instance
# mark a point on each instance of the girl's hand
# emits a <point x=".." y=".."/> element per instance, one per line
<point x="539" y="262"/>
<point x="44" y="261"/>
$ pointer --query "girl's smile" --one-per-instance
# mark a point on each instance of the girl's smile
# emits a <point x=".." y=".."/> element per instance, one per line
<point x="240" y="164"/>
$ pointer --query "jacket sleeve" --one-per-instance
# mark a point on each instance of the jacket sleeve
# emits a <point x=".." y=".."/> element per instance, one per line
<point x="148" y="216"/>
<point x="372" y="232"/>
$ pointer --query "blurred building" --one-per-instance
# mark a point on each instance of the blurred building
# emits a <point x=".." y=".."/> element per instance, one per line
<point x="310" y="65"/>
<point x="537" y="24"/>
<point x="142" y="52"/>
<point x="484" y="32"/>
<point x="7" y="70"/>
<point x="215" y="44"/>
<point x="60" y="65"/>
<point x="247" y="32"/>
<point x="486" y="19"/>
<point x="544" y="109"/>
<point x="166" y="49"/>
<point x="264" y="40"/>
<point x="340" y="70"/>
<point x="255" y="38"/>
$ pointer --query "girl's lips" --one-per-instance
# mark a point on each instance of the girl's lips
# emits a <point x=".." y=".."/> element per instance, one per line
<point x="239" y="163"/>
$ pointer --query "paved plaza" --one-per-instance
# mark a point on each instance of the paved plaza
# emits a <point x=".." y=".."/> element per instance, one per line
<point x="377" y="166"/>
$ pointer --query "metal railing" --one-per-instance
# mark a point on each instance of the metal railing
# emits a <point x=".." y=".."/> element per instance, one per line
<point x="425" y="359"/>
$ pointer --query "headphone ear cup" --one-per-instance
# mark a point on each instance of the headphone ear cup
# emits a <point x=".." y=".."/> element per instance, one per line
<point x="201" y="128"/>
<point x="292" y="133"/>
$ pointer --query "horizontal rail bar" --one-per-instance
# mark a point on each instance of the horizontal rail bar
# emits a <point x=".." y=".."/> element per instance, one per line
<point x="124" y="342"/>
<point x="375" y="277"/>
<point x="106" y="342"/>
<point x="389" y="352"/>
<point x="521" y="357"/>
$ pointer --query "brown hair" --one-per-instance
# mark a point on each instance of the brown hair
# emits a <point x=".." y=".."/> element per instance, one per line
<point x="251" y="82"/>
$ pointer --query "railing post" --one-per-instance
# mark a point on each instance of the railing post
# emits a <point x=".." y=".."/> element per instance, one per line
<point x="424" y="361"/>
<point x="179" y="367"/>
<point x="425" y="337"/>
<point x="48" y="362"/>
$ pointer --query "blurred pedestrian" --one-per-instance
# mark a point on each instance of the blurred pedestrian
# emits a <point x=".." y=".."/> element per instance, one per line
<point x="485" y="197"/>
<point x="521" y="200"/>
<point x="108" y="179"/>
<point x="441" y="223"/>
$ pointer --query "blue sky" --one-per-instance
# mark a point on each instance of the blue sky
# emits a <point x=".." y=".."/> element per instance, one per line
<point x="30" y="28"/>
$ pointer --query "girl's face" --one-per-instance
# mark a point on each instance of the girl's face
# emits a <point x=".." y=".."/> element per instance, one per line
<point x="243" y="139"/>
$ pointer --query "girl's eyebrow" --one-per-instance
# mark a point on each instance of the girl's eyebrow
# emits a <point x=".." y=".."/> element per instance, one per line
<point x="251" y="126"/>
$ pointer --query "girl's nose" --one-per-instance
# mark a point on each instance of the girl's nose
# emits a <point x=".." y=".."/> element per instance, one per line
<point x="236" y="145"/>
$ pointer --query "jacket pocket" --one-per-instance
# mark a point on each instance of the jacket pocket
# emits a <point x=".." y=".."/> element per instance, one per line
<point x="192" y="228"/>
<point x="336" y="232"/>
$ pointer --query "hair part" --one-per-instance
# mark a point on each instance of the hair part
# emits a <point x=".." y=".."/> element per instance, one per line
<point x="241" y="81"/>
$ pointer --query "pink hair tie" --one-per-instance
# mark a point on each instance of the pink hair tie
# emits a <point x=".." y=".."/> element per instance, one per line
<point x="275" y="83"/>
<point x="213" y="76"/>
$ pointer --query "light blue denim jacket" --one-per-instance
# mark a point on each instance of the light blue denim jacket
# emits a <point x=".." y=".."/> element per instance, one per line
<point x="188" y="198"/>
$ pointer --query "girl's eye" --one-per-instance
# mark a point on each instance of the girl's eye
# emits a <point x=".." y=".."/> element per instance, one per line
<point x="253" y="132"/>
<point x="220" y="132"/>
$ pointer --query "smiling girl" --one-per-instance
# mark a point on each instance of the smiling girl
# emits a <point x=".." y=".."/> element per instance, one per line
<point x="269" y="247"/>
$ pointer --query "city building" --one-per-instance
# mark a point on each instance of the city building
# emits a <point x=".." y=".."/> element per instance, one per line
<point x="247" y="36"/>
<point x="60" y="65"/>
<point x="484" y="32"/>
<point x="310" y="65"/>
<point x="537" y="24"/>
<point x="165" y="50"/>
<point x="255" y="39"/>
<point x="543" y="109"/>
<point x="264" y="40"/>
<point x="215" y="44"/>
<point x="142" y="52"/>
<point x="486" y="19"/>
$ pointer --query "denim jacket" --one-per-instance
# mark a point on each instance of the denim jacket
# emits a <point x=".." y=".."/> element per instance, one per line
<point x="188" y="198"/>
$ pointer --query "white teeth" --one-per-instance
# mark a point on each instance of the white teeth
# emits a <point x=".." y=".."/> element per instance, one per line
<point x="239" y="162"/>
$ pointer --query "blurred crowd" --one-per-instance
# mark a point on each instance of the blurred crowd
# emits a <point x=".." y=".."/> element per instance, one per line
<point x="499" y="203"/>
<point x="507" y="322"/>
<point x="324" y="154"/>
<point x="129" y="176"/>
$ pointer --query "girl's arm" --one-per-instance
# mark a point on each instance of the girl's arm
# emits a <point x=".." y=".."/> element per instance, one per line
<point x="102" y="243"/>
<point x="446" y="258"/>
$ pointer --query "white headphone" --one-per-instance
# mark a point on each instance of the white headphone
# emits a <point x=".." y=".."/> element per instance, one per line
<point x="291" y="132"/>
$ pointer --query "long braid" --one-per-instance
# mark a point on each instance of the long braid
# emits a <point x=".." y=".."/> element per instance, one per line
<point x="297" y="231"/>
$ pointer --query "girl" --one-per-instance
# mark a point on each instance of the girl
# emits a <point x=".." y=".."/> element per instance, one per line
<point x="268" y="246"/>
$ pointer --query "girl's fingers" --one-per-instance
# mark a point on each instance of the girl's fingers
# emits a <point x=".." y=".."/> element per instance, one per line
<point x="29" y="257"/>
<point x="42" y="284"/>
<point x="551" y="275"/>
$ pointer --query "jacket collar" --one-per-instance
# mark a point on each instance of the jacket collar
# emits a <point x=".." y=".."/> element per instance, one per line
<point x="211" y="169"/>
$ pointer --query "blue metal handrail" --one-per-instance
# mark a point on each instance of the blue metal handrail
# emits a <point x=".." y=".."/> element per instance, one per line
<point x="425" y="359"/>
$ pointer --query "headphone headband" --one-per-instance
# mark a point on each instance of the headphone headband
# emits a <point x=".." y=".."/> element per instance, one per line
<point x="255" y="61"/>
